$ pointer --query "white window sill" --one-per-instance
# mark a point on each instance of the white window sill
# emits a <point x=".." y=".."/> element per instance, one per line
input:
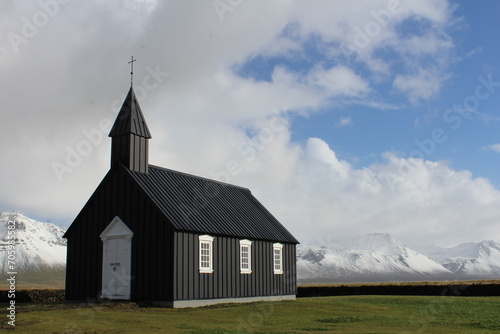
<point x="206" y="271"/>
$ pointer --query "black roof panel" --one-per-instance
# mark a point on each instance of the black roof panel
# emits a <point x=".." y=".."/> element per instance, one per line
<point x="196" y="204"/>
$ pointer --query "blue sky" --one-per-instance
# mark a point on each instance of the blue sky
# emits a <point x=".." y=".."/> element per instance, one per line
<point x="367" y="132"/>
<point x="343" y="118"/>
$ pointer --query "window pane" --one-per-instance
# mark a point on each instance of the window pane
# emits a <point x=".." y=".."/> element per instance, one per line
<point x="205" y="255"/>
<point x="245" y="250"/>
<point x="277" y="259"/>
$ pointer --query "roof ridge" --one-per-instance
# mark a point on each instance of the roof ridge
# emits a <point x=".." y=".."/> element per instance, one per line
<point x="200" y="177"/>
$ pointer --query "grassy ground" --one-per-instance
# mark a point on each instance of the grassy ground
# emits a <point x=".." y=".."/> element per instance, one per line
<point x="52" y="279"/>
<point x="345" y="314"/>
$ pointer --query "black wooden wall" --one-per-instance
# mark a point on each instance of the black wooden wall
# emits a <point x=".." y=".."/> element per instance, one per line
<point x="226" y="280"/>
<point x="152" y="246"/>
<point x="130" y="150"/>
<point x="165" y="263"/>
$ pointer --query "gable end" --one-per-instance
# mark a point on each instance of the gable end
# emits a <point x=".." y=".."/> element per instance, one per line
<point x="116" y="229"/>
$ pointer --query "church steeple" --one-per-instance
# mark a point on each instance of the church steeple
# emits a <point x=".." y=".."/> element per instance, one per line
<point x="130" y="136"/>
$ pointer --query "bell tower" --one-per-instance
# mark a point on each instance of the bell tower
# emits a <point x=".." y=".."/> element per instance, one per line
<point x="130" y="136"/>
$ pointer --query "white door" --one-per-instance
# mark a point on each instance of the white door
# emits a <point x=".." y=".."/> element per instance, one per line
<point x="116" y="268"/>
<point x="116" y="260"/>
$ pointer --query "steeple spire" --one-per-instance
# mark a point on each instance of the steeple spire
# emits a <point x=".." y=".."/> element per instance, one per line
<point x="130" y="119"/>
<point x="130" y="136"/>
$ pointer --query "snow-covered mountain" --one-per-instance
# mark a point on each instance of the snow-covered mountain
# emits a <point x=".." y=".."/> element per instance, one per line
<point x="380" y="257"/>
<point x="372" y="257"/>
<point x="38" y="246"/>
<point x="376" y="256"/>
<point x="477" y="259"/>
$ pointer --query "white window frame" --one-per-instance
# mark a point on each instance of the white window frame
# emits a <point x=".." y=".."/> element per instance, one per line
<point x="246" y="244"/>
<point x="278" y="261"/>
<point x="206" y="240"/>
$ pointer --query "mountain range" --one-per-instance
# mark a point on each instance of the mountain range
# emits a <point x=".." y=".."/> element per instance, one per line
<point x="482" y="258"/>
<point x="380" y="257"/>
<point x="41" y="249"/>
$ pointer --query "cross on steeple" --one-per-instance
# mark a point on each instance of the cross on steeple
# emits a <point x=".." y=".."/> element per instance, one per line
<point x="131" y="62"/>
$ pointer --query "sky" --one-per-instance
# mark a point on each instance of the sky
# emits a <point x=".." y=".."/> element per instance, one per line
<point x="342" y="118"/>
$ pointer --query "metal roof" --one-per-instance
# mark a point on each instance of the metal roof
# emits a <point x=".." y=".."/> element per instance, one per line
<point x="130" y="118"/>
<point x="200" y="205"/>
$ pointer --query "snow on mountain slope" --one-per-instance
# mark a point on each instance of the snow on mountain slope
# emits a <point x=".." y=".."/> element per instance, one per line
<point x="376" y="254"/>
<point x="482" y="258"/>
<point x="38" y="246"/>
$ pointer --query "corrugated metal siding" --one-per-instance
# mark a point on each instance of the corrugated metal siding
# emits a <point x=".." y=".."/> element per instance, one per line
<point x="226" y="280"/>
<point x="152" y="247"/>
<point x="200" y="205"/>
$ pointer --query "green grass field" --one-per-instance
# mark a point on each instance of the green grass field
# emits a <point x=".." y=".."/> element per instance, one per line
<point x="343" y="314"/>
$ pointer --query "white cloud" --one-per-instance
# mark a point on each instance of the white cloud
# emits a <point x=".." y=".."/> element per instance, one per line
<point x="344" y="121"/>
<point x="74" y="71"/>
<point x="427" y="44"/>
<point x="437" y="12"/>
<point x="338" y="80"/>
<point x="494" y="147"/>
<point x="414" y="199"/>
<point x="422" y="85"/>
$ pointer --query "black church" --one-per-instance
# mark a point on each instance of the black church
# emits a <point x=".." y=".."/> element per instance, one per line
<point x="149" y="233"/>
